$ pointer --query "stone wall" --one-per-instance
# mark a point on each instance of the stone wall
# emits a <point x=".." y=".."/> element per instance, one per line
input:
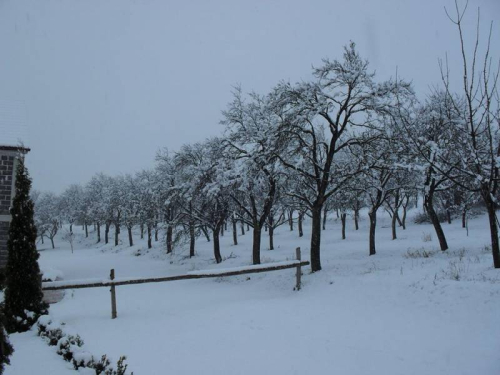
<point x="7" y="159"/>
<point x="6" y="176"/>
<point x="4" y="235"/>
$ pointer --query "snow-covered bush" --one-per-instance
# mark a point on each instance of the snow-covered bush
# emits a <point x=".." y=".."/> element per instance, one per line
<point x="419" y="253"/>
<point x="457" y="269"/>
<point x="423" y="218"/>
<point x="486" y="249"/>
<point x="426" y="237"/>
<point x="6" y="348"/>
<point x="70" y="347"/>
<point x="67" y="345"/>
<point x="50" y="274"/>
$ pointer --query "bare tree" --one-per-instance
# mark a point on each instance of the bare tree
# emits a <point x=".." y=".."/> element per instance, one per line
<point x="321" y="119"/>
<point x="256" y="177"/>
<point x="207" y="169"/>
<point x="479" y="128"/>
<point x="47" y="215"/>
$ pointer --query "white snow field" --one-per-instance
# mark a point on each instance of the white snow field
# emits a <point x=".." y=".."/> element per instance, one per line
<point x="385" y="314"/>
<point x="32" y="357"/>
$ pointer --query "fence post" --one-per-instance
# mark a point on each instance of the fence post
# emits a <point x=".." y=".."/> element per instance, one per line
<point x="113" y="295"/>
<point x="299" y="270"/>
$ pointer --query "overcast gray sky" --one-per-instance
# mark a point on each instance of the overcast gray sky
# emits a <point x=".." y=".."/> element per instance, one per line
<point x="106" y="83"/>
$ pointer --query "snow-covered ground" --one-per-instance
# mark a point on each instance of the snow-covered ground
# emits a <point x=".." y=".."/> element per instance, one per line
<point x="397" y="312"/>
<point x="33" y="356"/>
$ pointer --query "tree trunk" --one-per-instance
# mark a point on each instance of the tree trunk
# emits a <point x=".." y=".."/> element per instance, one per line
<point x="130" y="240"/>
<point x="41" y="238"/>
<point x="490" y="206"/>
<point x="337" y="211"/>
<point x="403" y="219"/>
<point x="52" y="240"/>
<point x="290" y="220"/>
<point x="222" y="230"/>
<point x="343" y="217"/>
<point x="142" y="231"/>
<point x="71" y="228"/>
<point x="156" y="231"/>
<point x="393" y="225"/>
<point x="86" y="231"/>
<point x="464" y="218"/>
<point x="373" y="225"/>
<point x="397" y="204"/>
<point x="235" y="232"/>
<point x="448" y="216"/>
<point x="98" y="225"/>
<point x="325" y="213"/>
<point x="256" y="243"/>
<point x="398" y="219"/>
<point x="205" y="232"/>
<point x="271" y="232"/>
<point x="117" y="232"/>
<point x="192" y="238"/>
<point x="242" y="228"/>
<point x="150" y="245"/>
<point x="356" y="219"/>
<point x="316" y="239"/>
<point x="117" y="228"/>
<point x="217" y="255"/>
<point x="429" y="208"/>
<point x="106" y="234"/>
<point x="170" y="231"/>
<point x="271" y="238"/>
<point x="301" y="232"/>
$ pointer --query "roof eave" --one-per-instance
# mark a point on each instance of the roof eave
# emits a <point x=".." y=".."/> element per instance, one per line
<point x="15" y="148"/>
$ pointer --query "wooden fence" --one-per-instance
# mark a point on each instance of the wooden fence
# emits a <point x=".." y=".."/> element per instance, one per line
<point x="112" y="283"/>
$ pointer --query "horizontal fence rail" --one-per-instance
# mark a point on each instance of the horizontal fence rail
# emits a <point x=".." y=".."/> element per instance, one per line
<point x="58" y="285"/>
<point x="113" y="283"/>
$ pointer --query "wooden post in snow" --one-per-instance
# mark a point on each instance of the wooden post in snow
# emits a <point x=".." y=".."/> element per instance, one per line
<point x="113" y="295"/>
<point x="299" y="269"/>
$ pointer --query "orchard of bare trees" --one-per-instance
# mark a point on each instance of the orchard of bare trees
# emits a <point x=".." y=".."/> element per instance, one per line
<point x="346" y="141"/>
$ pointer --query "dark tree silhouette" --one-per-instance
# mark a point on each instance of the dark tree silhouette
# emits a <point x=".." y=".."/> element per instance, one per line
<point x="23" y="293"/>
<point x="5" y="347"/>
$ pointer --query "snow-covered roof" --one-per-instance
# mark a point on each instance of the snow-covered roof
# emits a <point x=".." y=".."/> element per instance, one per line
<point x="13" y="124"/>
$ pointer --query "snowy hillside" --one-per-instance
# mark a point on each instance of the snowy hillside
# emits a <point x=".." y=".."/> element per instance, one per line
<point x="410" y="309"/>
